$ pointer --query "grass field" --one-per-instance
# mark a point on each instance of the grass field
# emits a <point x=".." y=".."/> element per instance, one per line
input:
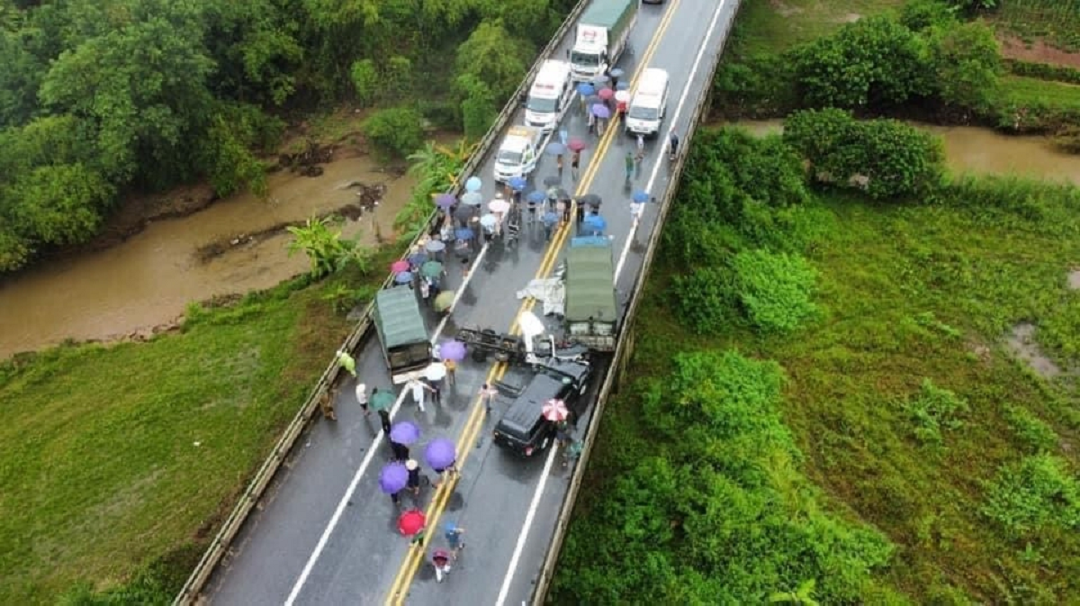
<point x="775" y="25"/>
<point x="119" y="457"/>
<point x="1056" y="21"/>
<point x="1042" y="93"/>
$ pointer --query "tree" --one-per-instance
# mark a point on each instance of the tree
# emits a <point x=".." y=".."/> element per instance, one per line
<point x="326" y="249"/>
<point x="967" y="62"/>
<point x="803" y="596"/>
<point x="493" y="57"/>
<point x="58" y="204"/>
<point x="397" y="131"/>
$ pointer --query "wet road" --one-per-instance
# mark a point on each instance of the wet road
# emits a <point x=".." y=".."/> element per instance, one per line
<point x="326" y="534"/>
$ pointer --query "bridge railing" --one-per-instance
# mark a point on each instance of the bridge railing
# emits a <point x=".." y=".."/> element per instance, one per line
<point x="222" y="541"/>
<point x="625" y="344"/>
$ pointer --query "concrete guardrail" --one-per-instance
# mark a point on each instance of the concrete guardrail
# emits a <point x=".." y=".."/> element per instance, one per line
<point x="222" y="541"/>
<point x="623" y="347"/>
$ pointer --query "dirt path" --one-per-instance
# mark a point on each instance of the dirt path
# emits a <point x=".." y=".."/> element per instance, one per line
<point x="1038" y="52"/>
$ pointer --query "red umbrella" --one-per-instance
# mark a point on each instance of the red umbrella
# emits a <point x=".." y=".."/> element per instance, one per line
<point x="399" y="266"/>
<point x="605" y="93"/>
<point x="411" y="522"/>
<point x="555" y="410"/>
<point x="576" y="145"/>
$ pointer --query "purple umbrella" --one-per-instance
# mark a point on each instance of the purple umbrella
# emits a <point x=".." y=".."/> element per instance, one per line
<point x="445" y="201"/>
<point x="452" y="350"/>
<point x="601" y="111"/>
<point x="404" y="432"/>
<point x="393" y="477"/>
<point x="440" y="453"/>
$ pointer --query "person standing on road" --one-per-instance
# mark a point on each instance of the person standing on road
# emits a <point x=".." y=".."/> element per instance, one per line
<point x="384" y="418"/>
<point x="362" y="397"/>
<point x="440" y="559"/>
<point x="487" y="394"/>
<point x="414" y="475"/>
<point x="326" y="404"/>
<point x="575" y="164"/>
<point x="451" y="370"/>
<point x="417" y="387"/>
<point x="629" y="163"/>
<point x="453" y="533"/>
<point x="347" y="362"/>
<point x="401" y="451"/>
<point x="436" y="392"/>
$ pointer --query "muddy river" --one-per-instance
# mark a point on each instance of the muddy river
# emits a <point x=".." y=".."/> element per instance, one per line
<point x="149" y="279"/>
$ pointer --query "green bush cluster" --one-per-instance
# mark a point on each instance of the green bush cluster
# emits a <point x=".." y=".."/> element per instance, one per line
<point x="1036" y="435"/>
<point x="715" y="510"/>
<point x="1043" y="71"/>
<point x="775" y="289"/>
<point x="934" y="410"/>
<point x="395" y="131"/>
<point x="1038" y="493"/>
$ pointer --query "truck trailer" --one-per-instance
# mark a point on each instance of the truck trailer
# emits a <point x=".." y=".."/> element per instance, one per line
<point x="591" y="310"/>
<point x="602" y="34"/>
<point x="402" y="332"/>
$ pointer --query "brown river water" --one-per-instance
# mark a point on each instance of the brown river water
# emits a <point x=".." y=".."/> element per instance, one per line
<point x="149" y="279"/>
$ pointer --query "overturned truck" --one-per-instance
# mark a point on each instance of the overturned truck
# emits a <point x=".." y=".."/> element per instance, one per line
<point x="592" y="313"/>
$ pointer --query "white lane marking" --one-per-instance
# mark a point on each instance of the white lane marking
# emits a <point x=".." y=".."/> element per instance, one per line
<point x="376" y="443"/>
<point x="667" y="137"/>
<point x="535" y="504"/>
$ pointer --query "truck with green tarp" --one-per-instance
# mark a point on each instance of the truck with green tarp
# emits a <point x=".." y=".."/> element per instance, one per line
<point x="402" y="332"/>
<point x="592" y="313"/>
<point x="602" y="34"/>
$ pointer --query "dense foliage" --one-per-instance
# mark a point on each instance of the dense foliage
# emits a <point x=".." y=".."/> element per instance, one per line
<point x="101" y="97"/>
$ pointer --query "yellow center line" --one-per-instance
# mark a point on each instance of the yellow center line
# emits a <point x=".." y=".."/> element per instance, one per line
<point x="414" y="558"/>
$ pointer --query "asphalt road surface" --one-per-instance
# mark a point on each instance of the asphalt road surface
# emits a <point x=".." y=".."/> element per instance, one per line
<point x="326" y="534"/>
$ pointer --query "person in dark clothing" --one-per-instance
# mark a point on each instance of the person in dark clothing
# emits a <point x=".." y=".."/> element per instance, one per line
<point x="401" y="451"/>
<point x="384" y="417"/>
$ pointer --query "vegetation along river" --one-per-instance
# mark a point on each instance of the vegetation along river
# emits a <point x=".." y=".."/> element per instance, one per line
<point x="148" y="280"/>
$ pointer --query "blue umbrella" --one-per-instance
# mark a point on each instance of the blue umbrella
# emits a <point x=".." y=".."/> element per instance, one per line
<point x="517" y="183"/>
<point x="622" y="85"/>
<point x="641" y="196"/>
<point x="473" y="184"/>
<point x="472" y="198"/>
<point x="550" y="218"/>
<point x="617" y="73"/>
<point x="595" y="223"/>
<point x="536" y="196"/>
<point x="464" y="233"/>
<point x="601" y="111"/>
<point x="404" y="432"/>
<point x="445" y="200"/>
<point x="435" y="246"/>
<point x="403" y="277"/>
<point x="600" y="79"/>
<point x="555" y="148"/>
<point x="585" y="89"/>
<point x="417" y="259"/>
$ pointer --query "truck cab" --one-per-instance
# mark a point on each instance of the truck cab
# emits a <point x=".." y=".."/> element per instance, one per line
<point x="589" y="56"/>
<point x="649" y="104"/>
<point x="518" y="153"/>
<point x="592" y="313"/>
<point x="523" y="430"/>
<point x="402" y="333"/>
<point x="549" y="95"/>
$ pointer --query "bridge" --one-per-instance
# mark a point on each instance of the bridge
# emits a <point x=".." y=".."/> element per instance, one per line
<point x="314" y="527"/>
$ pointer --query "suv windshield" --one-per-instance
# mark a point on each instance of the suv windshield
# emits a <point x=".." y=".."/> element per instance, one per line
<point x="586" y="59"/>
<point x="512" y="158"/>
<point x="541" y="105"/>
<point x="642" y="113"/>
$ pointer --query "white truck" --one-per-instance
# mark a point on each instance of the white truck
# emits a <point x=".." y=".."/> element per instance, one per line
<point x="549" y="95"/>
<point x="602" y="35"/>
<point x="518" y="153"/>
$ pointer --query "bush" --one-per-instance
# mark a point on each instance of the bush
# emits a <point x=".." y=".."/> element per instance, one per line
<point x="760" y="85"/>
<point x="774" y="289"/>
<point x="932" y="410"/>
<point x="365" y="79"/>
<point x="1037" y="493"/>
<point x="1036" y="434"/>
<point x="967" y="62"/>
<point x="705" y="300"/>
<point x="1043" y="71"/>
<point x="919" y="15"/>
<point x="397" y="131"/>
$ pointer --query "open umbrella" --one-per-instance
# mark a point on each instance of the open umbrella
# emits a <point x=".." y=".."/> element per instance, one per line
<point x="550" y="218"/>
<point x="403" y="277"/>
<point x="555" y="410"/>
<point x="555" y="149"/>
<point x="595" y="223"/>
<point x="404" y="432"/>
<point x="431" y="269"/>
<point x="536" y="196"/>
<point x="464" y="213"/>
<point x="440" y="453"/>
<point x="472" y="198"/>
<point x="622" y="96"/>
<point x="517" y="183"/>
<point x="382" y="400"/>
<point x="616" y="72"/>
<point x="445" y="200"/>
<point x="605" y="93"/>
<point x="498" y="206"/>
<point x="411" y="522"/>
<point x="488" y="221"/>
<point x="453" y="350"/>
<point x="622" y="85"/>
<point x="640" y="196"/>
<point x="434" y="246"/>
<point x="464" y="233"/>
<point x="473" y="184"/>
<point x="552" y="181"/>
<point x="417" y="259"/>
<point x="592" y="200"/>
<point x="600" y="79"/>
<point x="435" y="372"/>
<point x="399" y="266"/>
<point x="601" y="111"/>
<point x="393" y="477"/>
<point x="576" y="145"/>
<point x="586" y="89"/>
<point x="442" y="302"/>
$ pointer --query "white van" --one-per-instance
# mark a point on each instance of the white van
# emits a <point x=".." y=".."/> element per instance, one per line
<point x="649" y="103"/>
<point x="518" y="153"/>
<point x="549" y="95"/>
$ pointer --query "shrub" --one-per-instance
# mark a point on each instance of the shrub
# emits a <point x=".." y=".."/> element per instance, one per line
<point x="755" y="86"/>
<point x="1038" y="492"/>
<point x="705" y="299"/>
<point x="774" y="289"/>
<point x="1036" y="434"/>
<point x="966" y="61"/>
<point x="397" y="131"/>
<point x="919" y="15"/>
<point x="932" y="410"/>
<point x="365" y="79"/>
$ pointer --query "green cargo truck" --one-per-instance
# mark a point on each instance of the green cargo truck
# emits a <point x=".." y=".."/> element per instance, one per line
<point x="592" y="313"/>
<point x="402" y="332"/>
<point x="602" y="34"/>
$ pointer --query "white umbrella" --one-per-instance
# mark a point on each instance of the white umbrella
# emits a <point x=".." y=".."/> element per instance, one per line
<point x="488" y="220"/>
<point x="435" y="372"/>
<point x="622" y="96"/>
<point x="472" y="198"/>
<point x="498" y="206"/>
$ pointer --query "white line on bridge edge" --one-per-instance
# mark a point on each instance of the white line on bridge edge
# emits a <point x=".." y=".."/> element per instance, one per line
<point x="535" y="504"/>
<point x="376" y="443"/>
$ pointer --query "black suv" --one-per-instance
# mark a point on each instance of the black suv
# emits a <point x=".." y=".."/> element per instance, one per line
<point x="523" y="429"/>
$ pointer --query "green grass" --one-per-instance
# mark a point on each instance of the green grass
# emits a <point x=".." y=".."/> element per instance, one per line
<point x="1056" y="21"/>
<point x="777" y="25"/>
<point x="1025" y="91"/>
<point x="118" y="457"/>
<point x="911" y="293"/>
